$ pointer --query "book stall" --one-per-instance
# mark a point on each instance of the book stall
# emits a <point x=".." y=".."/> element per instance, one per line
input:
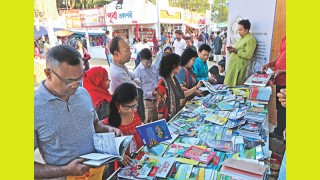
<point x="223" y="135"/>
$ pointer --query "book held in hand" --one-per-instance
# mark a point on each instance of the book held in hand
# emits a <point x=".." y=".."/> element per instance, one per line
<point x="258" y="80"/>
<point x="109" y="148"/>
<point x="157" y="130"/>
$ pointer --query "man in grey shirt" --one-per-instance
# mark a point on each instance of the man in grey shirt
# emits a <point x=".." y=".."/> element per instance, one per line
<point x="149" y="78"/>
<point x="118" y="72"/>
<point x="64" y="117"/>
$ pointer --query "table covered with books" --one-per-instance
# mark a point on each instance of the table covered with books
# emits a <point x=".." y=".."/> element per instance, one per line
<point x="223" y="135"/>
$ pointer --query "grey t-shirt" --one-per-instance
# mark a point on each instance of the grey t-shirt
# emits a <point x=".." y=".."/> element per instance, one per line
<point x="63" y="130"/>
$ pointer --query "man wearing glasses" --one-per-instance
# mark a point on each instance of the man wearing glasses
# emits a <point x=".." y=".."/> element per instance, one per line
<point x="200" y="66"/>
<point x="149" y="78"/>
<point x="64" y="117"/>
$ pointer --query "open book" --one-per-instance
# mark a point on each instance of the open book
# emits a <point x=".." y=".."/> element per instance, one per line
<point x="108" y="147"/>
<point x="208" y="87"/>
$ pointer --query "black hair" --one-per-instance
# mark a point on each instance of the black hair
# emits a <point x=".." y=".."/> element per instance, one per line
<point x="125" y="93"/>
<point x="168" y="63"/>
<point x="187" y="38"/>
<point x="114" y="45"/>
<point x="205" y="47"/>
<point x="167" y="48"/>
<point x="107" y="32"/>
<point x="218" y="32"/>
<point x="145" y="54"/>
<point x="214" y="70"/>
<point x="245" y="23"/>
<point x="62" y="53"/>
<point x="222" y="63"/>
<point x="200" y="38"/>
<point x="187" y="55"/>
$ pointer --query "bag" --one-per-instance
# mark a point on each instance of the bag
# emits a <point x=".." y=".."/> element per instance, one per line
<point x="86" y="55"/>
<point x="92" y="174"/>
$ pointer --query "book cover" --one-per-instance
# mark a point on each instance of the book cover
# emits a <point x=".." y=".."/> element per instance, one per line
<point x="200" y="175"/>
<point x="235" y="123"/>
<point x="189" y="133"/>
<point x="199" y="154"/>
<point x="189" y="140"/>
<point x="250" y="154"/>
<point x="182" y="171"/>
<point x="157" y="150"/>
<point x="258" y="80"/>
<point x="189" y="170"/>
<point x="157" y="130"/>
<point x="244" y="92"/>
<point x="194" y="172"/>
<point x="134" y="171"/>
<point x="160" y="166"/>
<point x="251" y="127"/>
<point x="227" y="135"/>
<point x="220" y="145"/>
<point x="170" y="141"/>
<point x="175" y="150"/>
<point x="226" y="106"/>
<point x="245" y="166"/>
<point x="208" y="173"/>
<point x="214" y="118"/>
<point x="175" y="170"/>
<point x="260" y="93"/>
<point x="259" y="153"/>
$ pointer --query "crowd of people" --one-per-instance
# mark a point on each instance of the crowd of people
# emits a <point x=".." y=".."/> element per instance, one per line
<point x="72" y="104"/>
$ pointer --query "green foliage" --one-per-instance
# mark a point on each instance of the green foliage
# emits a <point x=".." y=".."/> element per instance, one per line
<point x="218" y="6"/>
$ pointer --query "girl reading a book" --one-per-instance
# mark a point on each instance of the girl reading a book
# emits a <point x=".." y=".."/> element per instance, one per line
<point x="169" y="89"/>
<point x="124" y="116"/>
<point x="96" y="82"/>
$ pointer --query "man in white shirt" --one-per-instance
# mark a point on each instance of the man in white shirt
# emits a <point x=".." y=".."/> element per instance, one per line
<point x="179" y="45"/>
<point x="141" y="45"/>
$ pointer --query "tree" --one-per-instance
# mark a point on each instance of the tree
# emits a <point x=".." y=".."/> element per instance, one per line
<point x="201" y="6"/>
<point x="221" y="8"/>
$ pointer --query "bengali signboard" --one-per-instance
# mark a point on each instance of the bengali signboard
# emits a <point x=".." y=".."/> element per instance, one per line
<point x="76" y="18"/>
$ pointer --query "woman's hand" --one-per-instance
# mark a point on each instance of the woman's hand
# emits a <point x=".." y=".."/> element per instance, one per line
<point x="153" y="142"/>
<point x="278" y="73"/>
<point x="265" y="67"/>
<point x="200" y="83"/>
<point x="126" y="160"/>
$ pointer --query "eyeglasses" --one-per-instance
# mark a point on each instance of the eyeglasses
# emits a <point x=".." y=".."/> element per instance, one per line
<point x="68" y="82"/>
<point x="127" y="107"/>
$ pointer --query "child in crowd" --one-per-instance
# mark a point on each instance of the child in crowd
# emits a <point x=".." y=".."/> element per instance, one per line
<point x="214" y="71"/>
<point x="221" y="66"/>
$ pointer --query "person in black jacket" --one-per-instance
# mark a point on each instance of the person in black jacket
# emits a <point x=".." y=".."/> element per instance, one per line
<point x="214" y="71"/>
<point x="217" y="43"/>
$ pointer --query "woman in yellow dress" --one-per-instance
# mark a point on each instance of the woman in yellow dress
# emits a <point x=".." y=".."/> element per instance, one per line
<point x="240" y="55"/>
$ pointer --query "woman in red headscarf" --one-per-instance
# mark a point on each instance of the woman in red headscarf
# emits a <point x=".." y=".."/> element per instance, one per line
<point x="96" y="81"/>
